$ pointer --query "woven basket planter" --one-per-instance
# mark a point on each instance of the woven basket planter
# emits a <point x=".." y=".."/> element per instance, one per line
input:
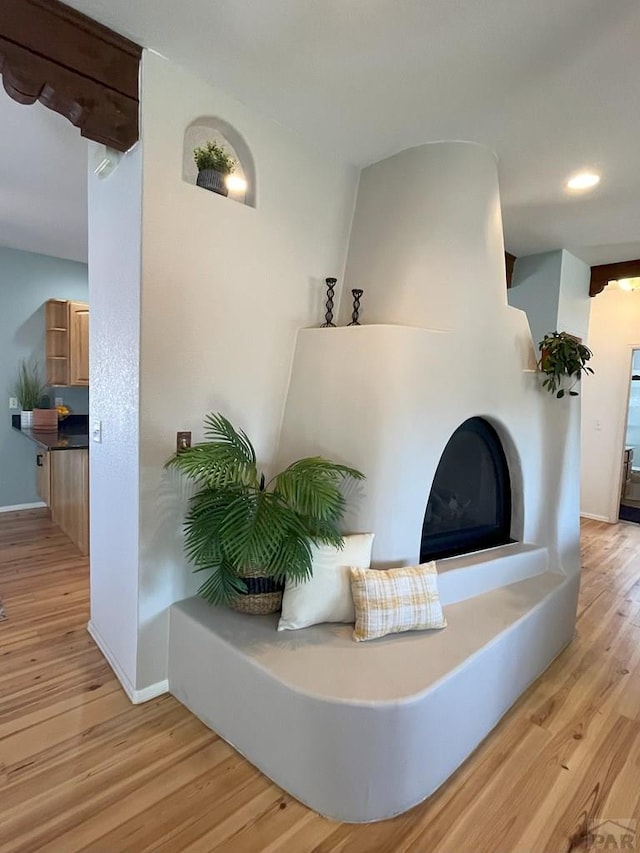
<point x="212" y="180"/>
<point x="264" y="595"/>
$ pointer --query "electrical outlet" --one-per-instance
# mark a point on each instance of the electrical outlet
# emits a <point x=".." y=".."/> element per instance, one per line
<point x="183" y="440"/>
<point x="96" y="430"/>
<point x="58" y="401"/>
<point x="13" y="402"/>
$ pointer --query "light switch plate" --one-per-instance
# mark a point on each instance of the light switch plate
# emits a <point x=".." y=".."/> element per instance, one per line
<point x="96" y="430"/>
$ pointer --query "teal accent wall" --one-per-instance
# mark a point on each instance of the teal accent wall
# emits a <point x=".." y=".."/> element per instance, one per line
<point x="553" y="289"/>
<point x="26" y="282"/>
<point x="535" y="289"/>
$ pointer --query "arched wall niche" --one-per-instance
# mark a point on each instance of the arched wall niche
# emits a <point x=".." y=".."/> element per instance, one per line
<point x="211" y="128"/>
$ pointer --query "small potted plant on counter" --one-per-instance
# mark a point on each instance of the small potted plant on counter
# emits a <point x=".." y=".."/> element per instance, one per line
<point x="563" y="355"/>
<point x="28" y="389"/>
<point x="214" y="164"/>
<point x="248" y="535"/>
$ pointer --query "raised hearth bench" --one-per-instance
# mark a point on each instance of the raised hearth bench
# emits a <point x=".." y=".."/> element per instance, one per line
<point x="364" y="731"/>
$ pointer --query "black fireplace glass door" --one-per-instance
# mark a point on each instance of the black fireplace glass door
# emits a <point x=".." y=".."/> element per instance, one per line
<point x="469" y="507"/>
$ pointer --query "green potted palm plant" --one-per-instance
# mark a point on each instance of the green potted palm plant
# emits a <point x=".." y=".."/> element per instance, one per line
<point x="250" y="535"/>
<point x="563" y="355"/>
<point x="28" y="388"/>
<point x="214" y="164"/>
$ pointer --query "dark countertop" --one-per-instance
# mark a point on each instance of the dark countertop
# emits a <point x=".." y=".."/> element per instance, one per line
<point x="72" y="433"/>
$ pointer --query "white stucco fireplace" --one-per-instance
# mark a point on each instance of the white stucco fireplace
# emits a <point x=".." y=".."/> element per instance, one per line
<point x="440" y="346"/>
<point x="364" y="731"/>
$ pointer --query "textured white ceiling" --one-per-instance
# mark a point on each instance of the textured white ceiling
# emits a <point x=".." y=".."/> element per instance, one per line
<point x="550" y="86"/>
<point x="43" y="182"/>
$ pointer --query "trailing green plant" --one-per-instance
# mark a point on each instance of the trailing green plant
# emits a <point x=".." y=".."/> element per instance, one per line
<point x="28" y="387"/>
<point x="214" y="156"/>
<point x="562" y="354"/>
<point x="237" y="520"/>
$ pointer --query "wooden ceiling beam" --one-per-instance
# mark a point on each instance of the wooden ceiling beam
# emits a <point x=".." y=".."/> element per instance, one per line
<point x="74" y="66"/>
<point x="509" y="261"/>
<point x="604" y="273"/>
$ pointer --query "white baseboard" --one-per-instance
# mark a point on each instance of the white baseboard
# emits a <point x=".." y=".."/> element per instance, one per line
<point x="598" y="517"/>
<point x="136" y="696"/>
<point x="18" y="507"/>
<point x="151" y="692"/>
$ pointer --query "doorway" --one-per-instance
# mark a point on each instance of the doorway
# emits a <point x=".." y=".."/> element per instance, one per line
<point x="630" y="485"/>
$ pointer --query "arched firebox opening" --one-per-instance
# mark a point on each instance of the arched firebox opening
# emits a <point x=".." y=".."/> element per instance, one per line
<point x="469" y="507"/>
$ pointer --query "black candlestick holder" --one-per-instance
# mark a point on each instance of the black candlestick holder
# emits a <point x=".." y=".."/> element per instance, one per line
<point x="329" y="324"/>
<point x="355" y="315"/>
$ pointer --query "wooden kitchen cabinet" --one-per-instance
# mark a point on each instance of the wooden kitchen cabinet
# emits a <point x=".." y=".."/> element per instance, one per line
<point x="62" y="482"/>
<point x="78" y="343"/>
<point x="43" y="476"/>
<point x="67" y="342"/>
<point x="69" y="478"/>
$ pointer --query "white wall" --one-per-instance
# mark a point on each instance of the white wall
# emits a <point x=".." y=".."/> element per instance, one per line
<point x="614" y="330"/>
<point x="225" y="288"/>
<point x="114" y="296"/>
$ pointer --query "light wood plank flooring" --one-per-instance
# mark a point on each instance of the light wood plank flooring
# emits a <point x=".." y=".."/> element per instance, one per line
<point x="83" y="769"/>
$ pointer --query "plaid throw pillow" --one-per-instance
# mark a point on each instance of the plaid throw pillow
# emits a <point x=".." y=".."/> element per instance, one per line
<point x="388" y="602"/>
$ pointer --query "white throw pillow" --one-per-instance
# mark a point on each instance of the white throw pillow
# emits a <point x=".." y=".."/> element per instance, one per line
<point x="326" y="597"/>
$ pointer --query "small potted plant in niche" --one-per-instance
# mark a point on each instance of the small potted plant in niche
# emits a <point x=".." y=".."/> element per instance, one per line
<point x="563" y="355"/>
<point x="249" y="535"/>
<point x="28" y="389"/>
<point x="214" y="164"/>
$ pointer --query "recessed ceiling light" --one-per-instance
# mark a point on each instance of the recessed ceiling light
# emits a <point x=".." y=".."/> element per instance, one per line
<point x="583" y="181"/>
